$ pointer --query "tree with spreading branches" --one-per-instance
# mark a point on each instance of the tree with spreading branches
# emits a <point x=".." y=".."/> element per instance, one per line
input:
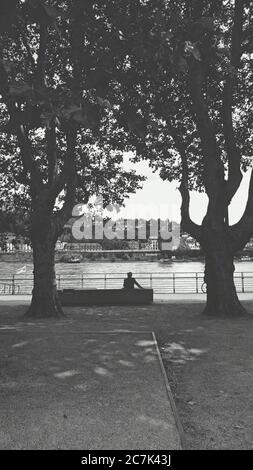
<point x="59" y="140"/>
<point x="218" y="79"/>
<point x="197" y="124"/>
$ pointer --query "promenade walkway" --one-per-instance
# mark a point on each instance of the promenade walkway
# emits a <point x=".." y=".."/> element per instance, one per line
<point x="170" y="298"/>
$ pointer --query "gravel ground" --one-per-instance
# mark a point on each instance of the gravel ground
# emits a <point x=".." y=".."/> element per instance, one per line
<point x="209" y="362"/>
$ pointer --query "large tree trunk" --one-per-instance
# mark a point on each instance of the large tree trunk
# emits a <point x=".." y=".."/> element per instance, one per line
<point x="222" y="299"/>
<point x="45" y="301"/>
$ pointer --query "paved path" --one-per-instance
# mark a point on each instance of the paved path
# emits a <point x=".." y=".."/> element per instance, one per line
<point x="80" y="390"/>
<point x="170" y="298"/>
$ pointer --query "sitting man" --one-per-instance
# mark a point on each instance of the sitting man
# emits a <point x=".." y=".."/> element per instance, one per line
<point x="130" y="282"/>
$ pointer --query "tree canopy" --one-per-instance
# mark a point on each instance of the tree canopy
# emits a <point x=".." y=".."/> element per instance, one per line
<point x="53" y="84"/>
<point x="170" y="80"/>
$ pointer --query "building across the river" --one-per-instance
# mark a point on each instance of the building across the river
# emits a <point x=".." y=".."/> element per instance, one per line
<point x="10" y="242"/>
<point x="82" y="246"/>
<point x="189" y="242"/>
<point x="133" y="245"/>
<point x="249" y="245"/>
<point x="151" y="244"/>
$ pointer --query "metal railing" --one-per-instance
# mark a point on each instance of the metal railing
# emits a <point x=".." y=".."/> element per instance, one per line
<point x="161" y="283"/>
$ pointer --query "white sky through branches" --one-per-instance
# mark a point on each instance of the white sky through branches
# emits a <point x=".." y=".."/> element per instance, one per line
<point x="156" y="193"/>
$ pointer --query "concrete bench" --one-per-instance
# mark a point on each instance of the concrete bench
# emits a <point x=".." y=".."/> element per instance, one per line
<point x="75" y="297"/>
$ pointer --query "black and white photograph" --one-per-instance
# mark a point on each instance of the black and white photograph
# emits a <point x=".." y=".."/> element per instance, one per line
<point x="126" y="231"/>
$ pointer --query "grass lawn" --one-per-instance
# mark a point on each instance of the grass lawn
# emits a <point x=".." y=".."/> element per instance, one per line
<point x="209" y="362"/>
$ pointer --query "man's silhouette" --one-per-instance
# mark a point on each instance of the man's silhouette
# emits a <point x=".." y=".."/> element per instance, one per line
<point x="130" y="282"/>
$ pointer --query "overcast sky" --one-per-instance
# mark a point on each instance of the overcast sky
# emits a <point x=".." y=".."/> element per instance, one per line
<point x="158" y="197"/>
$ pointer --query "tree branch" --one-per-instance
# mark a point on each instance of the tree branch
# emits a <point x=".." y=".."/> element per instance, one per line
<point x="4" y="85"/>
<point x="68" y="178"/>
<point x="213" y="177"/>
<point x="28" y="161"/>
<point x="77" y="44"/>
<point x="28" y="50"/>
<point x="234" y="157"/>
<point x="26" y="153"/>
<point x="242" y="231"/>
<point x="51" y="155"/>
<point x="39" y="79"/>
<point x="186" y="222"/>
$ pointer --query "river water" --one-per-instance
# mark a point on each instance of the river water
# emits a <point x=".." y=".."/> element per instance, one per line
<point x="118" y="267"/>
